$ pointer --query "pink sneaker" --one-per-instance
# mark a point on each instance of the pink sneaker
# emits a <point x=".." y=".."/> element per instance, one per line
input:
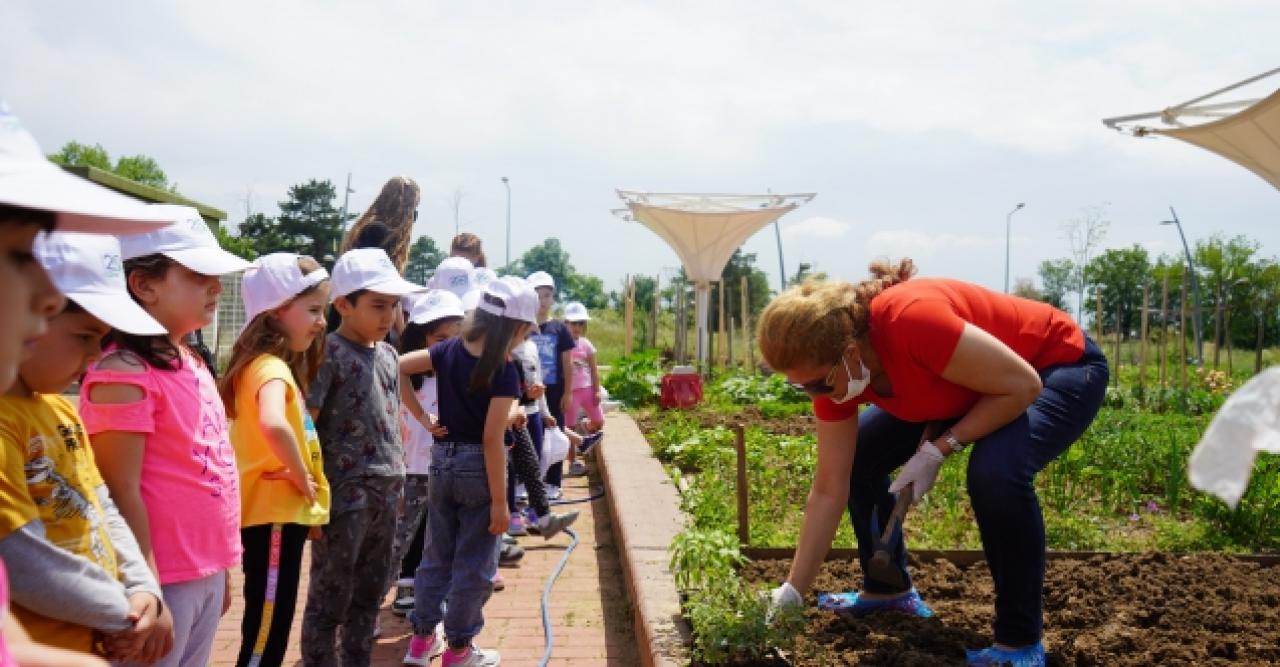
<point x="471" y="657"/>
<point x="498" y="582"/>
<point x="423" y="649"/>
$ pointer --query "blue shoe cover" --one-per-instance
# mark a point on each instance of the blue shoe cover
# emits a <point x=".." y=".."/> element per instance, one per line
<point x="1030" y="656"/>
<point x="850" y="604"/>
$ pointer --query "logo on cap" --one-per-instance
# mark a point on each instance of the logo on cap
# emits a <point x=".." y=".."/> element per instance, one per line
<point x="112" y="267"/>
<point x="458" y="281"/>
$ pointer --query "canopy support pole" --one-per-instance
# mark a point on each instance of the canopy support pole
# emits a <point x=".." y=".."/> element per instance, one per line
<point x="703" y="299"/>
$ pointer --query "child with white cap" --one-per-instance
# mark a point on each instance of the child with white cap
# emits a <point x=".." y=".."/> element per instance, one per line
<point x="453" y="274"/>
<point x="555" y="344"/>
<point x="75" y="566"/>
<point x="159" y="430"/>
<point x="477" y="385"/>
<point x="585" y="397"/>
<point x="434" y="317"/>
<point x="355" y="401"/>
<point x="36" y="194"/>
<point x="275" y="358"/>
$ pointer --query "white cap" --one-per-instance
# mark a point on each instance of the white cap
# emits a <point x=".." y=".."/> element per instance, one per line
<point x="576" y="312"/>
<point x="541" y="279"/>
<point x="28" y="179"/>
<point x="482" y="276"/>
<point x="433" y="305"/>
<point x="471" y="299"/>
<point x="189" y="242"/>
<point x="453" y="274"/>
<point x="87" y="269"/>
<point x="272" y="281"/>
<point x="369" y="269"/>
<point x="518" y="300"/>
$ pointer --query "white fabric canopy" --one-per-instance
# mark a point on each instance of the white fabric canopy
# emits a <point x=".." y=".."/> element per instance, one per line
<point x="704" y="230"/>
<point x="1250" y="138"/>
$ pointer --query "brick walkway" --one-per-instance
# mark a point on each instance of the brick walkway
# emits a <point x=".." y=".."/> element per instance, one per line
<point x="590" y="616"/>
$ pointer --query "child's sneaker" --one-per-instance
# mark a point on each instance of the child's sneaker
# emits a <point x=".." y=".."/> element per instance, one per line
<point x="471" y="657"/>
<point x="424" y="649"/>
<point x="553" y="492"/>
<point x="510" y="554"/>
<point x="589" y="442"/>
<point x="550" y="525"/>
<point x="516" y="527"/>
<point x="522" y="495"/>
<point x="577" y="469"/>
<point x="403" y="602"/>
<point x="498" y="582"/>
<point x="507" y="539"/>
<point x="1029" y="656"/>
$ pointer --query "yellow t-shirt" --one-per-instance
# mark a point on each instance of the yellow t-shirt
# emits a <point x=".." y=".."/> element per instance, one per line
<point x="264" y="501"/>
<point x="47" y="472"/>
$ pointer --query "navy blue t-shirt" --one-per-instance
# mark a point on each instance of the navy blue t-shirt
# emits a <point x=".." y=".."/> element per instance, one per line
<point x="552" y="339"/>
<point x="461" y="411"/>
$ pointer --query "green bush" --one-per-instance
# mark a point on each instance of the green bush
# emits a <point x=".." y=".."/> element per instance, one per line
<point x="635" y="380"/>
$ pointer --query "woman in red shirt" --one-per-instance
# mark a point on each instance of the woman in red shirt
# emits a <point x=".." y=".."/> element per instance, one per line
<point x="1017" y="377"/>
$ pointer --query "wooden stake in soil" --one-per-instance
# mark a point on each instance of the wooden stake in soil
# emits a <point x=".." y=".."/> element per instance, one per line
<point x="1182" y="332"/>
<point x="747" y="361"/>
<point x="1164" y="329"/>
<point x="728" y="342"/>
<point x="653" y="316"/>
<point x="723" y="345"/>
<point x="1142" y="345"/>
<point x="1097" y="320"/>
<point x="629" y="315"/>
<point x="1115" y="374"/>
<point x="740" y="447"/>
<point x="1262" y="331"/>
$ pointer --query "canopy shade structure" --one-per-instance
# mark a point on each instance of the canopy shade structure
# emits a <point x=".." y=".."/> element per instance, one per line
<point x="1246" y="132"/>
<point x="705" y="230"/>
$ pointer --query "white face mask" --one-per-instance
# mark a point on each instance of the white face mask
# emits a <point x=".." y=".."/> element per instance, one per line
<point x="855" y="387"/>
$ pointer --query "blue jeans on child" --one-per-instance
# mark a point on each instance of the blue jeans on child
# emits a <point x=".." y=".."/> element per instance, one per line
<point x="458" y="560"/>
<point x="1001" y="475"/>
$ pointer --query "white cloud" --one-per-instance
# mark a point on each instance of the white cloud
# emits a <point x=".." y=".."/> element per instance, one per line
<point x="818" y="227"/>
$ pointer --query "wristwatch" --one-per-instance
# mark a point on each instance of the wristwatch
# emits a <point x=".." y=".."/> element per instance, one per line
<point x="953" y="443"/>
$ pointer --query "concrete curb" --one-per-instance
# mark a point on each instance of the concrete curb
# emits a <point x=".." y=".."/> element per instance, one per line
<point x="645" y="508"/>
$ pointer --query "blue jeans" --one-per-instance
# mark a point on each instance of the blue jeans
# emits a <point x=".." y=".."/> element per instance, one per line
<point x="1001" y="475"/>
<point x="458" y="558"/>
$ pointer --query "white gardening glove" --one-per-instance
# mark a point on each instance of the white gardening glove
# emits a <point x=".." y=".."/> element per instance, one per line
<point x="922" y="469"/>
<point x="783" y="597"/>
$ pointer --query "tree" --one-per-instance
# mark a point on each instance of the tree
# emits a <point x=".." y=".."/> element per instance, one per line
<point x="309" y="223"/>
<point x="1084" y="233"/>
<point x="76" y="154"/>
<point x="1026" y="288"/>
<point x="264" y="234"/>
<point x="1120" y="275"/>
<point x="549" y="257"/>
<point x="1224" y="266"/>
<point x="1057" y="280"/>
<point x="584" y="288"/>
<point x="143" y="169"/>
<point x="235" y="244"/>
<point x="424" y="257"/>
<point x="804" y="273"/>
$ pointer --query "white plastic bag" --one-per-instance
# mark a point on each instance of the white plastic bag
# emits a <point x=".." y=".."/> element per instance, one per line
<point x="555" y="447"/>
<point x="1248" y="423"/>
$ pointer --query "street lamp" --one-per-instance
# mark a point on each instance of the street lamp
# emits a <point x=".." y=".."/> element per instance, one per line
<point x="1008" y="228"/>
<point x="1195" y="285"/>
<point x="507" y="183"/>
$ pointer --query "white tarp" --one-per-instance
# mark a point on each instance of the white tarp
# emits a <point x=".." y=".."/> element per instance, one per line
<point x="705" y="241"/>
<point x="1250" y="138"/>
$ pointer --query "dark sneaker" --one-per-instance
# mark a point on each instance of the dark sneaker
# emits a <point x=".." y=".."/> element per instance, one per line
<point x="589" y="442"/>
<point x="550" y="525"/>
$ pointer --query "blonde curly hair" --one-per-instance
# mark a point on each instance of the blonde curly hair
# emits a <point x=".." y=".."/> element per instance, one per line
<point x="812" y="323"/>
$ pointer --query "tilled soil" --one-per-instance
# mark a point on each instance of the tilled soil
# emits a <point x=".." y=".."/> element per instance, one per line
<point x="750" y="416"/>
<point x="1129" y="609"/>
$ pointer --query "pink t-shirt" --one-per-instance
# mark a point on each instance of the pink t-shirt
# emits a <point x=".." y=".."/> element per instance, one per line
<point x="189" y="480"/>
<point x="581" y="356"/>
<point x="6" y="658"/>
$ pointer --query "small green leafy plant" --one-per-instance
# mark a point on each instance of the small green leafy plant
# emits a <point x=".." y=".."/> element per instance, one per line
<point x="635" y="380"/>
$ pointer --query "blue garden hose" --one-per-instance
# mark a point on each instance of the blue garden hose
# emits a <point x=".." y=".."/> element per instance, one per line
<point x="547" y="638"/>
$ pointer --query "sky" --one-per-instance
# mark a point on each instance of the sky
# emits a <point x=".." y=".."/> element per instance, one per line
<point x="919" y="125"/>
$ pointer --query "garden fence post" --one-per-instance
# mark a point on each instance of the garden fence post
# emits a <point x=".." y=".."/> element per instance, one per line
<point x="1142" y="345"/>
<point x="740" y="446"/>
<point x="653" y="318"/>
<point x="723" y="344"/>
<point x="728" y="341"/>
<point x="629" y="307"/>
<point x="1097" y="323"/>
<point x="1119" y="336"/>
<point x="1164" y="329"/>
<point x="1182" y="334"/>
<point x="747" y="358"/>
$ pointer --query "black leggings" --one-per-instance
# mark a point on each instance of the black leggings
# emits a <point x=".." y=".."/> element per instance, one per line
<point x="524" y="466"/>
<point x="268" y="638"/>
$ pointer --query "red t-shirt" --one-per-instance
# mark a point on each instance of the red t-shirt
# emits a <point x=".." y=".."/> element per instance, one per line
<point x="915" y="327"/>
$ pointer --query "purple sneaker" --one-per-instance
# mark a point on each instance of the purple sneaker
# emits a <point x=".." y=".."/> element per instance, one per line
<point x="851" y="604"/>
<point x="1028" y="656"/>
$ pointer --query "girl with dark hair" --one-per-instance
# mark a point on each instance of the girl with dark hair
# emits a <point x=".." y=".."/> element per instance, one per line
<point x="467" y="508"/>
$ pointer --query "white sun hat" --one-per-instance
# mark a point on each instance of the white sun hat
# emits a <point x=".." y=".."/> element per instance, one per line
<point x="433" y="305"/>
<point x="453" y="274"/>
<point x="189" y="242"/>
<point x="272" y="281"/>
<point x="87" y="269"/>
<point x="510" y="297"/>
<point x="541" y="279"/>
<point x="29" y="180"/>
<point x="576" y="312"/>
<point x="368" y="269"/>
